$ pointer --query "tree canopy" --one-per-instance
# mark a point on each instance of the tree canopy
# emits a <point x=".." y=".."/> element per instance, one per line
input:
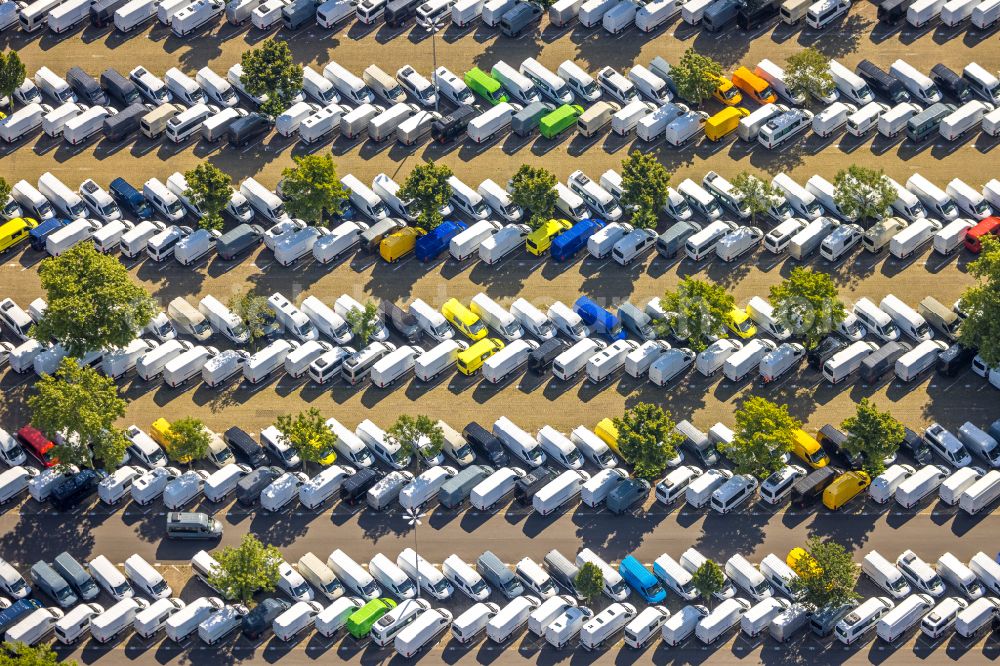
<point x="829" y="579"/>
<point x="210" y="189"/>
<point x="645" y="187"/>
<point x="12" y="73"/>
<point x="697" y="311"/>
<point x="19" y="654"/>
<point x="83" y="405"/>
<point x="246" y="569"/>
<point x="808" y="72"/>
<point x="313" y="189"/>
<point x="188" y="439"/>
<point x="872" y="434"/>
<point x="757" y="195"/>
<point x="807" y="304"/>
<point x="417" y="434"/>
<point x="306" y="432"/>
<point x="981" y="329"/>
<point x="589" y="582"/>
<point x="862" y="193"/>
<point x="696" y="76"/>
<point x="533" y="188"/>
<point x="364" y="323"/>
<point x="253" y="309"/>
<point x="92" y="302"/>
<point x="647" y="439"/>
<point x="708" y="580"/>
<point x="427" y="188"/>
<point x="764" y="433"/>
<point x="270" y="71"/>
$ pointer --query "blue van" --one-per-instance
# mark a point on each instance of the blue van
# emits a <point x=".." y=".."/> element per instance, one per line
<point x="568" y="243"/>
<point x="37" y="236"/>
<point x="130" y="199"/>
<point x="642" y="580"/>
<point x="17" y="612"/>
<point x="430" y="245"/>
<point x="598" y="319"/>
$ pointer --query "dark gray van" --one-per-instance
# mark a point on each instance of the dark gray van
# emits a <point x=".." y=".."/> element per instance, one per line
<point x="240" y="239"/>
<point x="51" y="583"/>
<point x="720" y="14"/>
<point x="102" y="12"/>
<point x="532" y="482"/>
<point x="881" y="82"/>
<point x="453" y="125"/>
<point x="250" y="487"/>
<point x="672" y="241"/>
<point x="540" y="359"/>
<point x="296" y="15"/>
<point x="357" y="485"/>
<point x="562" y="570"/>
<point x="486" y="444"/>
<point x="627" y="494"/>
<point x="925" y="124"/>
<point x="86" y="87"/>
<point x="457" y="489"/>
<point x="120" y="90"/>
<point x="496" y="574"/>
<point x="519" y="18"/>
<point x="192" y="525"/>
<point x="246" y="129"/>
<point x="881" y="361"/>
<point x="954" y="359"/>
<point x="813" y="484"/>
<point x="526" y="120"/>
<point x="74" y="573"/>
<point x="245" y="447"/>
<point x="372" y="237"/>
<point x="823" y="621"/>
<point x="401" y="320"/>
<point x="893" y="11"/>
<point x="125" y="123"/>
<point x="398" y="12"/>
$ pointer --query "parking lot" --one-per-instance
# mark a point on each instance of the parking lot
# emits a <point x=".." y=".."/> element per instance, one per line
<point x="31" y="531"/>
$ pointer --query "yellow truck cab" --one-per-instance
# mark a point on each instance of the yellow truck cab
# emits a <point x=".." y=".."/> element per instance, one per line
<point x="740" y="323"/>
<point x="606" y="430"/>
<point x="540" y="240"/>
<point x="464" y="319"/>
<point x="757" y="88"/>
<point x="801" y="562"/>
<point x="14" y="232"/>
<point x="844" y="488"/>
<point x="808" y="449"/>
<point x="160" y="432"/>
<point x="399" y="244"/>
<point x="724" y="122"/>
<point x="470" y="360"/>
<point x="726" y="92"/>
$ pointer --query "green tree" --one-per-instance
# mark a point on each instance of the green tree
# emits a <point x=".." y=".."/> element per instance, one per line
<point x="589" y="582"/>
<point x="246" y="569"/>
<point x="210" y="189"/>
<point x="270" y="71"/>
<point x="645" y="187"/>
<point x="188" y="440"/>
<point x="764" y="433"/>
<point x="313" y="189"/>
<point x="981" y="329"/>
<point x="12" y="73"/>
<point x="426" y="186"/>
<point x="84" y="405"/>
<point x="862" y="193"/>
<point x="807" y="303"/>
<point x="364" y="322"/>
<point x="696" y="76"/>
<point x="533" y="189"/>
<point x="697" y="311"/>
<point x="808" y="72"/>
<point x="306" y="432"/>
<point x="92" y="302"/>
<point x="253" y="309"/>
<point x="708" y="580"/>
<point x="4" y="190"/>
<point x="872" y="434"/>
<point x="647" y="439"/>
<point x="19" y="654"/>
<point x="829" y="578"/>
<point x="758" y="195"/>
<point x="411" y="432"/>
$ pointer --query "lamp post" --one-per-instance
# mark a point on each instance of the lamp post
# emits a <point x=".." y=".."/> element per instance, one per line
<point x="433" y="28"/>
<point x="413" y="520"/>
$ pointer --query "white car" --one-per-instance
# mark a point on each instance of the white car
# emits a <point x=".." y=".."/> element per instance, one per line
<point x="417" y="85"/>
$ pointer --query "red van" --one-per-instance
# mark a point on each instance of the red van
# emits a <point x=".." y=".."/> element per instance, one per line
<point x="38" y="445"/>
<point x="973" y="237"/>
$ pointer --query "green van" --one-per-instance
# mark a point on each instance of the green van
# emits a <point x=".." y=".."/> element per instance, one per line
<point x="557" y="122"/>
<point x="485" y="86"/>
<point x="361" y="621"/>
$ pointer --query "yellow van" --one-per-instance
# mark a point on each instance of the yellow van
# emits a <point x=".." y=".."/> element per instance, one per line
<point x="471" y="359"/>
<point x="14" y="232"/>
<point x="160" y="431"/>
<point x="464" y="319"/>
<point x="808" y="449"/>
<point x="844" y="488"/>
<point x="740" y="323"/>
<point x="724" y="122"/>
<point x="726" y="92"/>
<point x="396" y="246"/>
<point x="606" y="430"/>
<point x="802" y="562"/>
<point x="540" y="240"/>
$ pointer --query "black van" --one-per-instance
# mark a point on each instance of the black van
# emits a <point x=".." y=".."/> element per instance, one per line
<point x="124" y="123"/>
<point x="250" y="487"/>
<point x="879" y="362"/>
<point x="917" y="447"/>
<point x="532" y="482"/>
<point x="246" y="129"/>
<point x="951" y="83"/>
<point x="832" y="440"/>
<point x="75" y="489"/>
<point x="822" y="352"/>
<point x="751" y="16"/>
<point x="881" y="82"/>
<point x="357" y="485"/>
<point x="240" y="239"/>
<point x="402" y="320"/>
<point x="485" y="444"/>
<point x="86" y="87"/>
<point x="82" y="582"/>
<point x="540" y="359"/>
<point x="102" y="12"/>
<point x="811" y="486"/>
<point x="257" y="622"/>
<point x="121" y="91"/>
<point x="893" y="11"/>
<point x="954" y="359"/>
<point x="398" y="12"/>
<point x="245" y="447"/>
<point x="453" y="125"/>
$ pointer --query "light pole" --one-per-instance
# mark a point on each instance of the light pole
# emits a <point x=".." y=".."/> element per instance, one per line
<point x="433" y="28"/>
<point x="413" y="520"/>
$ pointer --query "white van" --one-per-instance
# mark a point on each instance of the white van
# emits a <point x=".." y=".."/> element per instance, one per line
<point x="801" y="199"/>
<point x="494" y="488"/>
<point x="150" y="620"/>
<point x="332" y="618"/>
<point x="721" y="619"/>
<point x="898" y="621"/>
<point x="146" y="578"/>
<point x="748" y="577"/>
<point x="511" y="617"/>
<point x="876" y="320"/>
<point x="112" y="622"/>
<point x="185" y="621"/>
<point x="862" y="619"/>
<point x="884" y="574"/>
<point x="353" y="576"/>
